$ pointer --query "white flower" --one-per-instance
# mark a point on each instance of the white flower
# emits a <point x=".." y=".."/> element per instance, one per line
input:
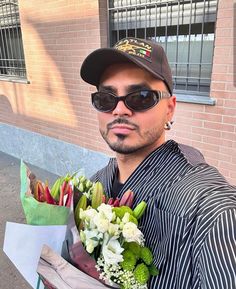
<point x="106" y="211"/>
<point x="91" y="239"/>
<point x="112" y="250"/>
<point x="102" y="223"/>
<point x="92" y="234"/>
<point x="88" y="214"/>
<point x="125" y="219"/>
<point x="103" y="218"/>
<point x="131" y="233"/>
<point x="90" y="246"/>
<point x="113" y="229"/>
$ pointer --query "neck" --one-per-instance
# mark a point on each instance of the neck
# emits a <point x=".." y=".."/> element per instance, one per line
<point x="127" y="163"/>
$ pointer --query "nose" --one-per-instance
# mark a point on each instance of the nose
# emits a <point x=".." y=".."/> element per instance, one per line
<point x="121" y="109"/>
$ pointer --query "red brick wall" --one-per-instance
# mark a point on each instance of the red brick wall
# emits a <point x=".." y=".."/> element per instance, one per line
<point x="57" y="36"/>
<point x="212" y="129"/>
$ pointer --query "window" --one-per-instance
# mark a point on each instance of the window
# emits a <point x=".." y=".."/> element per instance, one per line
<point x="12" y="62"/>
<point x="184" y="28"/>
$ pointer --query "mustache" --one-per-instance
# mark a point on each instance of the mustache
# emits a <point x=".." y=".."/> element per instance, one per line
<point x="122" y="121"/>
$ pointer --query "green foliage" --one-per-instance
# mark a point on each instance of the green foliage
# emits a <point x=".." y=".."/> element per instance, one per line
<point x="129" y="260"/>
<point x="141" y="273"/>
<point x="146" y="255"/>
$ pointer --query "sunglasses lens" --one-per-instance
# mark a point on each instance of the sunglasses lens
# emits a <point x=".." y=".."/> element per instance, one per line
<point x="137" y="101"/>
<point x="141" y="100"/>
<point x="103" y="101"/>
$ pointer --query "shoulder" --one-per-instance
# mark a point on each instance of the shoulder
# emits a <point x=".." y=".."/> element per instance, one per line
<point x="200" y="176"/>
<point x="199" y="188"/>
<point x="106" y="171"/>
<point x="204" y="187"/>
<point x="191" y="154"/>
<point x="106" y="175"/>
<point x="208" y="201"/>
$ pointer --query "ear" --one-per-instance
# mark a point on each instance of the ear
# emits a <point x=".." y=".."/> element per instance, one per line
<point x="171" y="107"/>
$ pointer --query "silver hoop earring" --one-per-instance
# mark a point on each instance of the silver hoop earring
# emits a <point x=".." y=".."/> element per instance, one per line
<point x="168" y="125"/>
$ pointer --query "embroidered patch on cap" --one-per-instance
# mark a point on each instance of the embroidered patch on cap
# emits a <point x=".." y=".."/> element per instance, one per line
<point x="135" y="47"/>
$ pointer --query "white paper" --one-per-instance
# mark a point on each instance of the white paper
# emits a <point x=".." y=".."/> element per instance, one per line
<point x="62" y="274"/>
<point x="23" y="245"/>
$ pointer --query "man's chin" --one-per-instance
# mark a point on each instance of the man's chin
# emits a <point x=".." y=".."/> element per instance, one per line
<point x="122" y="149"/>
<point x="118" y="144"/>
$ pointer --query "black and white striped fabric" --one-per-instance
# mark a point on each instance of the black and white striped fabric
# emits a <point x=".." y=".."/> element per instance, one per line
<point x="190" y="221"/>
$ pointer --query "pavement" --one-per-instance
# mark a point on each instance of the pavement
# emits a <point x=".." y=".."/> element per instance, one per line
<point x="11" y="210"/>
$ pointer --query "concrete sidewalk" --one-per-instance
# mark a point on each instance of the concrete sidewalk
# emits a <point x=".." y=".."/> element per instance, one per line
<point x="11" y="210"/>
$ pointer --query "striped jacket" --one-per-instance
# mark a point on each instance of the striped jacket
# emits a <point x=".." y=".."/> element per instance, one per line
<point x="190" y="221"/>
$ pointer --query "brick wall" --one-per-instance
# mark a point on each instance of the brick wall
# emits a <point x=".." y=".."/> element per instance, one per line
<point x="212" y="129"/>
<point x="58" y="34"/>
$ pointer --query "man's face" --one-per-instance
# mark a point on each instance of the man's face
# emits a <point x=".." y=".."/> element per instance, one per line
<point x="127" y="131"/>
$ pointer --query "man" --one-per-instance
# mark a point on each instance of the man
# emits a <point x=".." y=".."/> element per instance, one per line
<point x="190" y="222"/>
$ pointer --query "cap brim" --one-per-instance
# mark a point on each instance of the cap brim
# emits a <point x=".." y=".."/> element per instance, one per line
<point x="96" y="63"/>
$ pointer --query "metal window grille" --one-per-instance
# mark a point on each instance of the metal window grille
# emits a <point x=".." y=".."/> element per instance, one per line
<point x="12" y="62"/>
<point x="185" y="28"/>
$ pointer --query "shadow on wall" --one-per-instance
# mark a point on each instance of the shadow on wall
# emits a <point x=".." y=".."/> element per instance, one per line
<point x="54" y="98"/>
<point x="10" y="99"/>
<point x="4" y="101"/>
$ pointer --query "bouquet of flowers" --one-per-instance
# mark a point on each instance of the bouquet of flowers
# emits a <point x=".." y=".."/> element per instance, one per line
<point x="47" y="211"/>
<point x="42" y="205"/>
<point x="107" y="229"/>
<point x="104" y="245"/>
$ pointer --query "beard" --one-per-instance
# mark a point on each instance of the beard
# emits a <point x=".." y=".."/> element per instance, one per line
<point x="120" y="145"/>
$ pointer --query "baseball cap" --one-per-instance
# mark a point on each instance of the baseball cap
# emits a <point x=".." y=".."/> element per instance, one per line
<point x="146" y="54"/>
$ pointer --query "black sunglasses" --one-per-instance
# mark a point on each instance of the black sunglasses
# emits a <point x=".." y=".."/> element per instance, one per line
<point x="139" y="100"/>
